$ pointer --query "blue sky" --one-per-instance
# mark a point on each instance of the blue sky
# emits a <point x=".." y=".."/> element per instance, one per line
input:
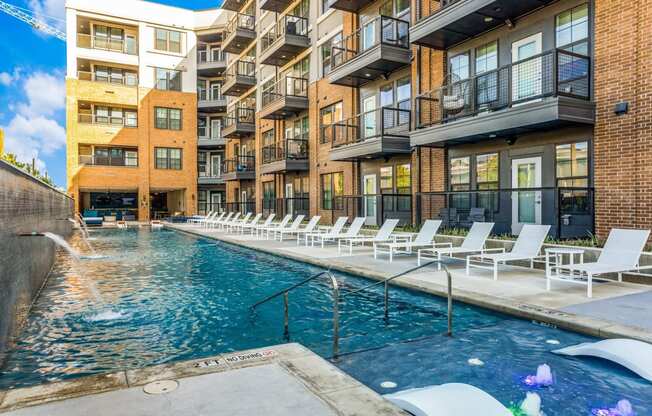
<point x="32" y="91"/>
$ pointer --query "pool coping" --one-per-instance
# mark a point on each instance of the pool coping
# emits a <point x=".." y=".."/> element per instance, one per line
<point x="336" y="389"/>
<point x="538" y="314"/>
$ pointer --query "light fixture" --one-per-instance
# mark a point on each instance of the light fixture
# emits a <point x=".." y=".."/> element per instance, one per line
<point x="492" y="136"/>
<point x="367" y="75"/>
<point x="488" y="19"/>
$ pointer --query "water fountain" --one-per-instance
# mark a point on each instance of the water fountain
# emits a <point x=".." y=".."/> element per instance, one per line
<point x="531" y="406"/>
<point x="623" y="408"/>
<point x="543" y="377"/>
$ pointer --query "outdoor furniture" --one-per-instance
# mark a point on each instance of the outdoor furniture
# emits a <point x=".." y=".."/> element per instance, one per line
<point x="473" y="242"/>
<point x="240" y="225"/>
<point x="253" y="227"/>
<point x="336" y="229"/>
<point x="214" y="222"/>
<point x="273" y="226"/>
<point x="92" y="218"/>
<point x="225" y="223"/>
<point x="310" y="227"/>
<point x="214" y="217"/>
<point x="449" y="217"/>
<point x="423" y="239"/>
<point x="555" y="257"/>
<point x="294" y="226"/>
<point x="475" y="215"/>
<point x="332" y="236"/>
<point x="384" y="235"/>
<point x="527" y="247"/>
<point x="198" y="218"/>
<point x="620" y="254"/>
<point x="233" y="223"/>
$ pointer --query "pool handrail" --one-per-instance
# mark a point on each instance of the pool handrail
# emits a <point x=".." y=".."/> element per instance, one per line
<point x="284" y="293"/>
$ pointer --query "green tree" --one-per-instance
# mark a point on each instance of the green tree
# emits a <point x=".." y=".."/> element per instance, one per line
<point x="29" y="168"/>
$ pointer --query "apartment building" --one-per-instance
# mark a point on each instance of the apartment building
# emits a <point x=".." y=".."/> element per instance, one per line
<point x="144" y="108"/>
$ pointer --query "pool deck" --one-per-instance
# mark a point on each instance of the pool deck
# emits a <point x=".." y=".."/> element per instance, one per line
<point x="616" y="310"/>
<point x="278" y="380"/>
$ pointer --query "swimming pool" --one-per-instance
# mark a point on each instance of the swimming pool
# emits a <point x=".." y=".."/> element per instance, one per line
<point x="176" y="297"/>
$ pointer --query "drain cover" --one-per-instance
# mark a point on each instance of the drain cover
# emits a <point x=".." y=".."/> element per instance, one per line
<point x="161" y="387"/>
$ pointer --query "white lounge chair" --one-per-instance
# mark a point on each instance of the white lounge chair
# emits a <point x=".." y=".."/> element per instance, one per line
<point x="225" y="222"/>
<point x="335" y="229"/>
<point x="383" y="235"/>
<point x="309" y="228"/>
<point x="473" y="243"/>
<point x="252" y="227"/>
<point x="195" y="219"/>
<point x="233" y="223"/>
<point x="620" y="254"/>
<point x="202" y="222"/>
<point x="527" y="247"/>
<point x="423" y="239"/>
<point x="213" y="222"/>
<point x="238" y="227"/>
<point x="294" y="226"/>
<point x="331" y="236"/>
<point x="274" y="226"/>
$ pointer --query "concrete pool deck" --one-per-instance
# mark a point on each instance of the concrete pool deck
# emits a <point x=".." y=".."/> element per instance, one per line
<point x="519" y="291"/>
<point x="278" y="380"/>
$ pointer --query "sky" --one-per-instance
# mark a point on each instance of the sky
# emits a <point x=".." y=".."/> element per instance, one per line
<point x="32" y="85"/>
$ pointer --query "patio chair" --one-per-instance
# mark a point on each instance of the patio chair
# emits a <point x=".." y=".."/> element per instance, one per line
<point x="473" y="243"/>
<point x="212" y="222"/>
<point x="241" y="221"/>
<point x="620" y="254"/>
<point x="423" y="239"/>
<point x="449" y="217"/>
<point x="274" y="226"/>
<point x="331" y="236"/>
<point x="527" y="247"/>
<point x="336" y="229"/>
<point x="238" y="227"/>
<point x="294" y="226"/>
<point x="309" y="228"/>
<point x="475" y="215"/>
<point x="383" y="235"/>
<point x="195" y="219"/>
<point x="221" y="224"/>
<point x="252" y="227"/>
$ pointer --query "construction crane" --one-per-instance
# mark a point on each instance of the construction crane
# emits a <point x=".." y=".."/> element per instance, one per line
<point x="32" y="19"/>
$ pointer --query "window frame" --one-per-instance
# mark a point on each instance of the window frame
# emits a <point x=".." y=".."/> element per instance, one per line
<point x="168" y="118"/>
<point x="168" y="159"/>
<point x="167" y="40"/>
<point x="570" y="46"/>
<point x="169" y="80"/>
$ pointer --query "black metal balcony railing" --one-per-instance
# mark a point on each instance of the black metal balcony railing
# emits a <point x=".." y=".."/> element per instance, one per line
<point x="292" y="149"/>
<point x="204" y="207"/>
<point x="553" y="73"/>
<point x="128" y="79"/>
<point x="284" y="206"/>
<point x="241" y="68"/>
<point x="380" y="122"/>
<point x="383" y="30"/>
<point x="288" y="24"/>
<point x="108" y="120"/>
<point x="243" y="207"/>
<point x="215" y="55"/>
<point x="569" y="211"/>
<point x="127" y="45"/>
<point x="95" y="160"/>
<point x="376" y="207"/>
<point x="240" y="21"/>
<point x="287" y="86"/>
<point x="240" y="115"/>
<point x="239" y="164"/>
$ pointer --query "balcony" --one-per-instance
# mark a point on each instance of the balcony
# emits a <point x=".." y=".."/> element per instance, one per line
<point x="210" y="64"/>
<point x="129" y="122"/>
<point x="352" y="6"/>
<point x="287" y="97"/>
<point x="239" y="168"/>
<point x="210" y="180"/>
<point x="544" y="92"/>
<point x="459" y="20"/>
<point x="209" y="137"/>
<point x="117" y="90"/>
<point x="285" y="40"/>
<point x="274" y="5"/>
<point x="240" y="77"/>
<point x="379" y="133"/>
<point x="233" y="5"/>
<point x="239" y="123"/>
<point x="126" y="46"/>
<point x="377" y="49"/>
<point x="285" y="157"/>
<point x="128" y="79"/>
<point x="210" y="101"/>
<point x="108" y="160"/>
<point x="239" y="33"/>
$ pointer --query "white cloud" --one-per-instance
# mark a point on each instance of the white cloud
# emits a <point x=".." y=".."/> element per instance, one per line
<point x="46" y="9"/>
<point x="33" y="132"/>
<point x="7" y="79"/>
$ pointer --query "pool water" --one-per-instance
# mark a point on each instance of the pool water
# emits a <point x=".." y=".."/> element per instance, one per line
<point x="167" y="296"/>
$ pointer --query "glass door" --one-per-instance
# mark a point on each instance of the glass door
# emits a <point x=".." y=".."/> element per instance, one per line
<point x="216" y="165"/>
<point x="216" y="201"/>
<point x="369" y="117"/>
<point x="289" y="195"/>
<point x="369" y="34"/>
<point x="526" y="205"/>
<point x="369" y="187"/>
<point x="526" y="73"/>
<point x="216" y="128"/>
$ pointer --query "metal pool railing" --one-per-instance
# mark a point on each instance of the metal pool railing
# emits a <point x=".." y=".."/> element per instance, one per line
<point x="336" y="298"/>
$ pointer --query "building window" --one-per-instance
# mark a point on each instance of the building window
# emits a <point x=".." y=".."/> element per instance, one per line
<point x="326" y="57"/>
<point x="168" y="158"/>
<point x="332" y="190"/>
<point x="328" y="116"/>
<point x="201" y="164"/>
<point x="572" y="162"/>
<point x="202" y="127"/>
<point x="572" y="29"/>
<point x="460" y="180"/>
<point x="168" y="79"/>
<point x="459" y="67"/>
<point x="269" y="196"/>
<point x="168" y="40"/>
<point x="386" y="179"/>
<point x="168" y="118"/>
<point x="486" y="171"/>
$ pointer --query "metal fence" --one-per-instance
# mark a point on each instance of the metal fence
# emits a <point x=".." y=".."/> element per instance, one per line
<point x="204" y="207"/>
<point x="241" y="115"/>
<point x="287" y="86"/>
<point x="288" y="24"/>
<point x="239" y="164"/>
<point x="284" y="206"/>
<point x="95" y="160"/>
<point x="375" y="207"/>
<point x="243" y="207"/>
<point x="291" y="149"/>
<point x="240" y="21"/>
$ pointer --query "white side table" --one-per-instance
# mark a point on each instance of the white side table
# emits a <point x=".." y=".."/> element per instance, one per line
<point x="555" y="257"/>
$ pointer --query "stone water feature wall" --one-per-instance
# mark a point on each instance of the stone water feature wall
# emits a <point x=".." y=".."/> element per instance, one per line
<point x="26" y="205"/>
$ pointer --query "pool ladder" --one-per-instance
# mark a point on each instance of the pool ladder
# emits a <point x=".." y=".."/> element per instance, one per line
<point x="336" y="298"/>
